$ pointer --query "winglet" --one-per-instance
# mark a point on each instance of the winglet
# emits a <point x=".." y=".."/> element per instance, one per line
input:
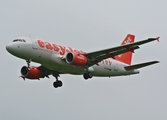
<point x="157" y="39"/>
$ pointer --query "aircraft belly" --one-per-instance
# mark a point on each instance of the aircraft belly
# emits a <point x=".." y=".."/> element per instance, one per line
<point x="58" y="64"/>
<point x="106" y="70"/>
<point x="67" y="69"/>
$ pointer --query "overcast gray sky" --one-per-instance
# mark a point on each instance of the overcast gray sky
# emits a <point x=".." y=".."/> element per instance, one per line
<point x="87" y="25"/>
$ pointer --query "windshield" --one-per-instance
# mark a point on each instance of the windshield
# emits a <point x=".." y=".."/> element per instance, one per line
<point x="20" y="40"/>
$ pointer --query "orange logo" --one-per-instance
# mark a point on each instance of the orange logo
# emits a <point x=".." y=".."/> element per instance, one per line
<point x="62" y="50"/>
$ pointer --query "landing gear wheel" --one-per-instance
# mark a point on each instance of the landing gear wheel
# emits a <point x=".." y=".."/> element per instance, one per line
<point x="57" y="84"/>
<point x="60" y="83"/>
<point x="87" y="75"/>
<point x="90" y="75"/>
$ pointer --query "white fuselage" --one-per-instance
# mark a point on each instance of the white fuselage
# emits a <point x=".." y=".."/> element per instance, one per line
<point x="54" y="58"/>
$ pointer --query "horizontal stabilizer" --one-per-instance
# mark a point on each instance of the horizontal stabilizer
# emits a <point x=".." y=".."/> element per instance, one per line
<point x="137" y="66"/>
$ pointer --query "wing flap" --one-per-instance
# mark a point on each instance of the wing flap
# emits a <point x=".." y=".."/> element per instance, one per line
<point x="111" y="55"/>
<point x="115" y="53"/>
<point x="137" y="66"/>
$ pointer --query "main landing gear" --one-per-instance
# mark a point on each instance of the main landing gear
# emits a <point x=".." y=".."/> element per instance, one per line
<point x="57" y="83"/>
<point x="87" y="75"/>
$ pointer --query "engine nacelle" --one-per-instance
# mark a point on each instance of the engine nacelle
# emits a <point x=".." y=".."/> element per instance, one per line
<point x="76" y="59"/>
<point x="30" y="73"/>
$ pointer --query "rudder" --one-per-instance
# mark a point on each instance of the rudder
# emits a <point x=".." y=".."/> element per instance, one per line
<point x="126" y="57"/>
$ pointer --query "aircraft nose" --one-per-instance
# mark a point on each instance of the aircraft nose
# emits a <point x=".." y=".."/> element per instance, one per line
<point x="9" y="48"/>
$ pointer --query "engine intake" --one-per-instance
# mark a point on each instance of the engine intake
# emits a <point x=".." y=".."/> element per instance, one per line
<point x="24" y="71"/>
<point x="76" y="59"/>
<point x="31" y="72"/>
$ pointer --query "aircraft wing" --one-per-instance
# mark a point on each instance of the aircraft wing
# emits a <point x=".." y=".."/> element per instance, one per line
<point x="97" y="56"/>
<point x="137" y="66"/>
<point x="46" y="72"/>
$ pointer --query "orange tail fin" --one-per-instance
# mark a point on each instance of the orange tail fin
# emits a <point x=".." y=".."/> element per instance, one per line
<point x="126" y="57"/>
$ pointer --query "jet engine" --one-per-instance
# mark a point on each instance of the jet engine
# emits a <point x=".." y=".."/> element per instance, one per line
<point x="30" y="72"/>
<point x="76" y="59"/>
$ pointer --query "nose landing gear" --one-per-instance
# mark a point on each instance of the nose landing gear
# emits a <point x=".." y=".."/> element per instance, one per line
<point x="28" y="62"/>
<point x="56" y="84"/>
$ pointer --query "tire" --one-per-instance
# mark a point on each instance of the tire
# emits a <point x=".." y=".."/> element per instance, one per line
<point x="85" y="76"/>
<point x="55" y="84"/>
<point x="90" y="75"/>
<point x="60" y="83"/>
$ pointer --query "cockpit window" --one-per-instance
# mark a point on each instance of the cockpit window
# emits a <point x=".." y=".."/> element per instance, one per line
<point x="20" y="40"/>
<point x="15" y="40"/>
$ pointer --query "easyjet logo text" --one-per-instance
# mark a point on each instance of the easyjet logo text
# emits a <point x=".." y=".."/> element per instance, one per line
<point x="62" y="50"/>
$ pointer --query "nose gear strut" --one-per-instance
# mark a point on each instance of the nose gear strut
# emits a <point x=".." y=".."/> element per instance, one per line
<point x="28" y="62"/>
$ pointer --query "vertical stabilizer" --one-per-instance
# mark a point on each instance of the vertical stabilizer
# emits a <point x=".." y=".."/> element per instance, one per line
<point x="126" y="57"/>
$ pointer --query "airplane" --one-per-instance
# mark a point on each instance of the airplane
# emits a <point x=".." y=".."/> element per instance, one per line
<point x="56" y="59"/>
